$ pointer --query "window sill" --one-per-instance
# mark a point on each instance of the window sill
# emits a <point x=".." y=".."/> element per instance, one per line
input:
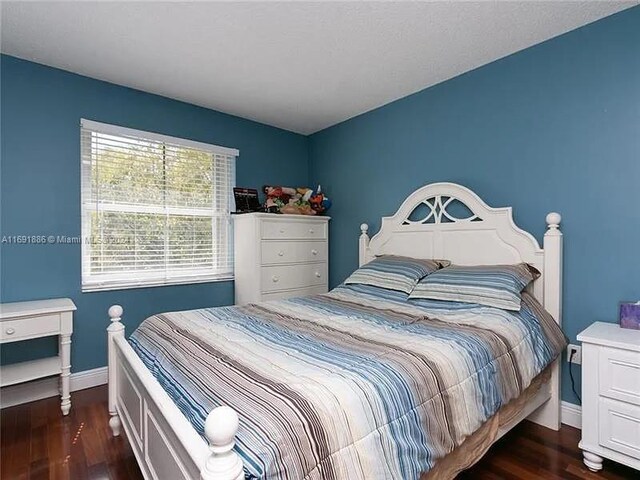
<point x="152" y="284"/>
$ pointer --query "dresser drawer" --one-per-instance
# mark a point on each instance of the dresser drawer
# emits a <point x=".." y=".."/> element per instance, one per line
<point x="293" y="252"/>
<point x="299" y="292"/>
<point x="293" y="230"/>
<point x="40" y="326"/>
<point x="285" y="277"/>
<point x="620" y="427"/>
<point x="619" y="373"/>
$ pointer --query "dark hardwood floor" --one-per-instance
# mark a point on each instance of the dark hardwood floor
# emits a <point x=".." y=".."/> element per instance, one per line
<point x="39" y="443"/>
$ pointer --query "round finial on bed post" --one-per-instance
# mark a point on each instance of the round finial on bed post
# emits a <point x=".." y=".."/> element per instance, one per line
<point x="220" y="428"/>
<point x="116" y="327"/>
<point x="553" y="220"/>
<point x="363" y="245"/>
<point x="115" y="313"/>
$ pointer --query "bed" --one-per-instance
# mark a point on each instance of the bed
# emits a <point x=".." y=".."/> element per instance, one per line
<point x="337" y="385"/>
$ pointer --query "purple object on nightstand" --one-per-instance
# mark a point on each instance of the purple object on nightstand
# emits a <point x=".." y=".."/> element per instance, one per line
<point x="630" y="315"/>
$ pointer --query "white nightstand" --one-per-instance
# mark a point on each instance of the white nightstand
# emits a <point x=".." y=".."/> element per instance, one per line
<point x="40" y="318"/>
<point x="610" y="395"/>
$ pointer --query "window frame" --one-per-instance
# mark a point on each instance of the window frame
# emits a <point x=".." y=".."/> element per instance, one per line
<point x="124" y="280"/>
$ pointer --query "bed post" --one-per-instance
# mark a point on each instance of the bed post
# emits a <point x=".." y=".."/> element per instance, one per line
<point x="549" y="414"/>
<point x="223" y="463"/>
<point x="363" y="245"/>
<point x="114" y="331"/>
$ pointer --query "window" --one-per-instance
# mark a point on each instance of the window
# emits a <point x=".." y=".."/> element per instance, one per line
<point x="155" y="209"/>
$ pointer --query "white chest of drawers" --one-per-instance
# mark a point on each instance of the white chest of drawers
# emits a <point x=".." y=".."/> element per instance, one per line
<point x="610" y="395"/>
<point x="279" y="256"/>
<point x="40" y="318"/>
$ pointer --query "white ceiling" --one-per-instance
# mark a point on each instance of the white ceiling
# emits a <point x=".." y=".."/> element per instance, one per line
<point x="300" y="66"/>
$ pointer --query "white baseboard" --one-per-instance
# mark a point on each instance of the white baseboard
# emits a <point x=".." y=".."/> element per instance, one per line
<point x="571" y="414"/>
<point x="48" y="387"/>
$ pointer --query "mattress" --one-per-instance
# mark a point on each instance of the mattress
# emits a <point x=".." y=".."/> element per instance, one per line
<point x="357" y="383"/>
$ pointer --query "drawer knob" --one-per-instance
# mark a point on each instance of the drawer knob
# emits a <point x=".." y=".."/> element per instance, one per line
<point x="318" y="274"/>
<point x="314" y="252"/>
<point x="274" y="279"/>
<point x="10" y="331"/>
<point x="311" y="231"/>
<point x="281" y="253"/>
<point x="282" y="230"/>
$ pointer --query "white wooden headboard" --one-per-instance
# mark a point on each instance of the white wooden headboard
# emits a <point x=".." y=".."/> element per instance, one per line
<point x="425" y="226"/>
<point x="487" y="236"/>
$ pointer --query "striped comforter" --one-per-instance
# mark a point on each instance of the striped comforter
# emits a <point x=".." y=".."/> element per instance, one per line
<point x="357" y="383"/>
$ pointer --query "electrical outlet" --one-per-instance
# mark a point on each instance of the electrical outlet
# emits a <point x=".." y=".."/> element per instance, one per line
<point x="577" y="356"/>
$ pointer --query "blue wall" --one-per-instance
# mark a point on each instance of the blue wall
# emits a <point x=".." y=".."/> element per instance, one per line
<point x="40" y="191"/>
<point x="554" y="127"/>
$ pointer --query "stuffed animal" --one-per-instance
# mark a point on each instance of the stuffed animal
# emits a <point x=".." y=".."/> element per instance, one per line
<point x="319" y="203"/>
<point x="295" y="201"/>
<point x="277" y="197"/>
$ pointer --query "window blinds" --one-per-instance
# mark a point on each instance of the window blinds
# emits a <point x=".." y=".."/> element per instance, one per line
<point x="155" y="209"/>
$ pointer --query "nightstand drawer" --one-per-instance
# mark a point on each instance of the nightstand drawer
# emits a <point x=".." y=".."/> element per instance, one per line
<point x="21" y="329"/>
<point x="620" y="374"/>
<point x="620" y="427"/>
<point x="293" y="230"/>
<point x="293" y="252"/>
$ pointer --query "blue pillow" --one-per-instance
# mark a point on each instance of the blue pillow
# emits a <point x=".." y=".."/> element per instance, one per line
<point x="497" y="286"/>
<point x="394" y="272"/>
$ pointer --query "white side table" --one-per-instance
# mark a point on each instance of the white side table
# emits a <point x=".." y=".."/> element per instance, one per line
<point x="610" y="395"/>
<point x="41" y="318"/>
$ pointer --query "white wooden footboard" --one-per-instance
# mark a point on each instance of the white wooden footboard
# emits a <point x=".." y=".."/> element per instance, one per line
<point x="163" y="441"/>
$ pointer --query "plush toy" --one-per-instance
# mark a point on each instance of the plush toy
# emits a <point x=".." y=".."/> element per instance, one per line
<point x="295" y="201"/>
<point x="277" y="197"/>
<point x="319" y="203"/>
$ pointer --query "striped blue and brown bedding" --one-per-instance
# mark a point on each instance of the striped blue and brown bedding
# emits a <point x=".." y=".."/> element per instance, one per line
<point x="357" y="383"/>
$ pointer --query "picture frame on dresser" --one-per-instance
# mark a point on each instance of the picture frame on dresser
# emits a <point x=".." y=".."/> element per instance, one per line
<point x="246" y="200"/>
